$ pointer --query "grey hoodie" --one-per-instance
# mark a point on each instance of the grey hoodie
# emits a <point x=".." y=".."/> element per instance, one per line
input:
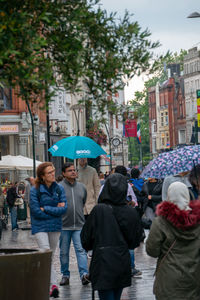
<point x="76" y="195"/>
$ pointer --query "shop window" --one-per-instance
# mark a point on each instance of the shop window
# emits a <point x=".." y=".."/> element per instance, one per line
<point x="5" y="98"/>
<point x="4" y="145"/>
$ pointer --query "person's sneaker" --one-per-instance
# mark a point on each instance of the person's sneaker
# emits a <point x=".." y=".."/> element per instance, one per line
<point x="64" y="280"/>
<point x="85" y="279"/>
<point x="136" y="273"/>
<point x="54" y="291"/>
<point x="89" y="255"/>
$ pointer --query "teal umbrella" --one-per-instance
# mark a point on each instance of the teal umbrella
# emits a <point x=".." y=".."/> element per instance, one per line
<point x="75" y="147"/>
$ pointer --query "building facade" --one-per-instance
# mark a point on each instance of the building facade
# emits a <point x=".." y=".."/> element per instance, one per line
<point x="16" y="128"/>
<point x="192" y="83"/>
<point x="167" y="114"/>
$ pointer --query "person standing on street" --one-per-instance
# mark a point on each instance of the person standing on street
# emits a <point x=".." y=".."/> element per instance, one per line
<point x="89" y="177"/>
<point x="152" y="189"/>
<point x="174" y="240"/>
<point x="29" y="182"/>
<point x="1" y="202"/>
<point x="11" y="197"/>
<point x="73" y="221"/>
<point x="194" y="179"/>
<point x="112" y="228"/>
<point x="131" y="197"/>
<point x="47" y="205"/>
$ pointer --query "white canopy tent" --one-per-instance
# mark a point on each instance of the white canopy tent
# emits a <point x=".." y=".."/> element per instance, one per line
<point x="16" y="168"/>
<point x="19" y="162"/>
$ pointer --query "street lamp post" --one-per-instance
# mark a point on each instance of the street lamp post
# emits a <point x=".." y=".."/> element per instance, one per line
<point x="33" y="138"/>
<point x="109" y="141"/>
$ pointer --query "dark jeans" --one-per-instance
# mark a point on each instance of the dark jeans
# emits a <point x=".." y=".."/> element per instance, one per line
<point x="114" y="294"/>
<point x="13" y="212"/>
<point x="132" y="255"/>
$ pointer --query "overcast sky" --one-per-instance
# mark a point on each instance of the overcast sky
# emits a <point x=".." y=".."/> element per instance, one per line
<point x="167" y="20"/>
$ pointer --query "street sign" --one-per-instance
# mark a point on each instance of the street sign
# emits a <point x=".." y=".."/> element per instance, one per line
<point x="198" y="93"/>
<point x="198" y="120"/>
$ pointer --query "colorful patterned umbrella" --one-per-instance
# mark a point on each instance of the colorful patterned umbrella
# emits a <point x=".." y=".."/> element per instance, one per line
<point x="173" y="162"/>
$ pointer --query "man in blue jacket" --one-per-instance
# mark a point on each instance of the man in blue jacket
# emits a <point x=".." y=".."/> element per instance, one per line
<point x="73" y="221"/>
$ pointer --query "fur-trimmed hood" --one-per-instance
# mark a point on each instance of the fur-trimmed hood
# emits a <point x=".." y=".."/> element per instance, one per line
<point x="181" y="219"/>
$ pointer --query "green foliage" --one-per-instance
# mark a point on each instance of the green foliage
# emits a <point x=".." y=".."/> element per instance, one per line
<point x="74" y="44"/>
<point x="140" y="107"/>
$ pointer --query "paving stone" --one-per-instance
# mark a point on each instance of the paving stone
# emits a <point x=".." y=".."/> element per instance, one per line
<point x="141" y="288"/>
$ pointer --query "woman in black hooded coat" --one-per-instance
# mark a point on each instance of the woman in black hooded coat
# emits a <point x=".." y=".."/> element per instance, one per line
<point x="111" y="229"/>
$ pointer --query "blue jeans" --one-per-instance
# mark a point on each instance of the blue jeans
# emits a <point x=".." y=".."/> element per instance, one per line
<point x="114" y="294"/>
<point x="132" y="255"/>
<point x="65" y="241"/>
<point x="13" y="212"/>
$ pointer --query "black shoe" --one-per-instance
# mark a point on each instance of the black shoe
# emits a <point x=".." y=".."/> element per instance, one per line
<point x="136" y="273"/>
<point x="85" y="279"/>
<point x="64" y="281"/>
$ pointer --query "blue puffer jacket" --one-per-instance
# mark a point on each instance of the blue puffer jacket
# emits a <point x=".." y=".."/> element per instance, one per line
<point x="50" y="219"/>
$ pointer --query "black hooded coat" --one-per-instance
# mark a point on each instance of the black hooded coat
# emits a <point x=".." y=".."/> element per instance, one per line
<point x="111" y="229"/>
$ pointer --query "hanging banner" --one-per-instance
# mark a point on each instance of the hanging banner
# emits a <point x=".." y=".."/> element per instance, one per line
<point x="130" y="128"/>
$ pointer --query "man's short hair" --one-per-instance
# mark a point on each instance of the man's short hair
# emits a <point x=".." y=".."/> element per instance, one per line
<point x="121" y="170"/>
<point x="135" y="173"/>
<point x="66" y="166"/>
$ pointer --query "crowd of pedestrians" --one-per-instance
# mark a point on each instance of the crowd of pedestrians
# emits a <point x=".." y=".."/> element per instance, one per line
<point x="105" y="217"/>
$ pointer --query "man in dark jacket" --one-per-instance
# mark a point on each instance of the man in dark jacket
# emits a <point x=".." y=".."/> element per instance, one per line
<point x="11" y="197"/>
<point x="72" y="224"/>
<point x="111" y="229"/>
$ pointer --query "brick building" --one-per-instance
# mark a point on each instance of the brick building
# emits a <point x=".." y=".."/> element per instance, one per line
<point x="16" y="129"/>
<point x="167" y="116"/>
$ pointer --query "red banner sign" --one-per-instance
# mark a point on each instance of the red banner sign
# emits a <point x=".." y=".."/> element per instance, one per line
<point x="131" y="128"/>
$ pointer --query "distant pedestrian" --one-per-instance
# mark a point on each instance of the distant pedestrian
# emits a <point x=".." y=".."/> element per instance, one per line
<point x="152" y="189"/>
<point x="11" y="200"/>
<point x="137" y="184"/>
<point x="1" y="202"/>
<point x="174" y="240"/>
<point x="73" y="221"/>
<point x="89" y="177"/>
<point x="111" y="229"/>
<point x="194" y="179"/>
<point x="131" y="198"/>
<point x="47" y="204"/>
<point x="101" y="178"/>
<point x="29" y="182"/>
<point x="181" y="177"/>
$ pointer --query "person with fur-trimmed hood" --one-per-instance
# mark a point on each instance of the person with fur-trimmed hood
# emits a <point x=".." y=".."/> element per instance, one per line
<point x="174" y="240"/>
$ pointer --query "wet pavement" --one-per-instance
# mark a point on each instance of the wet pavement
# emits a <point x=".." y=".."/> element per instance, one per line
<point x="141" y="288"/>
